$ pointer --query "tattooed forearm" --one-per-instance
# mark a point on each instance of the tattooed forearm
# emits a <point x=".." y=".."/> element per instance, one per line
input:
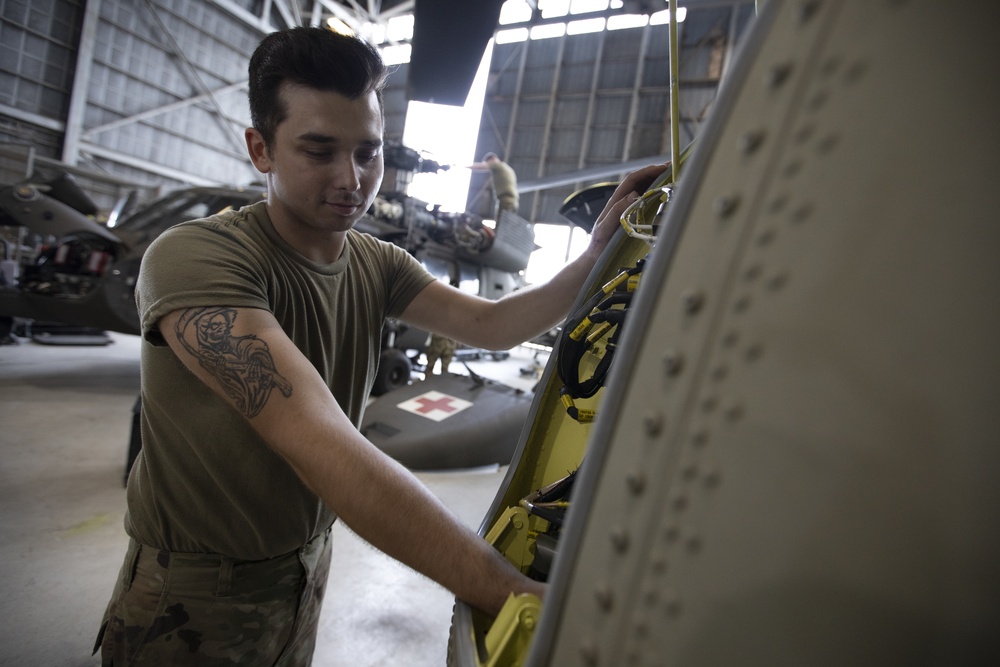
<point x="242" y="365"/>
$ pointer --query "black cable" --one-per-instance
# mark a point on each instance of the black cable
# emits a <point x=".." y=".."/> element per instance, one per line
<point x="598" y="310"/>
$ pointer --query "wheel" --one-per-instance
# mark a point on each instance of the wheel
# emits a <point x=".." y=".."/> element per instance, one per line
<point x="393" y="372"/>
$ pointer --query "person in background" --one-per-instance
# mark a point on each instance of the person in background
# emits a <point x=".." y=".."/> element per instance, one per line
<point x="504" y="182"/>
<point x="440" y="347"/>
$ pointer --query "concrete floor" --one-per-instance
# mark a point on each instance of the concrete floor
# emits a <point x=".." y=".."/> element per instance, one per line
<point x="65" y="419"/>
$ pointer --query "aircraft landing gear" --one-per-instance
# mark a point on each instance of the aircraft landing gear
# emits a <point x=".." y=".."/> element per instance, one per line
<point x="393" y="371"/>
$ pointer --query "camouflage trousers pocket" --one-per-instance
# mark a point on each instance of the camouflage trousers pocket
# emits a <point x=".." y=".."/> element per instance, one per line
<point x="204" y="609"/>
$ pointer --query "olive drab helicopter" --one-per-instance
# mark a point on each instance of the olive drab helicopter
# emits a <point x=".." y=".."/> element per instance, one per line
<point x="61" y="266"/>
<point x="72" y="279"/>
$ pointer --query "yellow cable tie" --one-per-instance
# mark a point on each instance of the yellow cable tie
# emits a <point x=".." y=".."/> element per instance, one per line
<point x="581" y="329"/>
<point x="598" y="332"/>
<point x="615" y="282"/>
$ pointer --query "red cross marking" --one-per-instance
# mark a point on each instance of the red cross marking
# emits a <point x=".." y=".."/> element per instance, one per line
<point x="428" y="405"/>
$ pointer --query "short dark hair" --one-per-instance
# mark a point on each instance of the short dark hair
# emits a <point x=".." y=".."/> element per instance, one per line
<point x="313" y="57"/>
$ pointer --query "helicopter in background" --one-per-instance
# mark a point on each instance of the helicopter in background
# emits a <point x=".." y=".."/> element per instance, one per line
<point x="61" y="266"/>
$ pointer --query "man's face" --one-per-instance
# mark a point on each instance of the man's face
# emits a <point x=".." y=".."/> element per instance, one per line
<point x="325" y="165"/>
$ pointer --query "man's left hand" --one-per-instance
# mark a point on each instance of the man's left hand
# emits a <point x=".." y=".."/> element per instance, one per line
<point x="634" y="185"/>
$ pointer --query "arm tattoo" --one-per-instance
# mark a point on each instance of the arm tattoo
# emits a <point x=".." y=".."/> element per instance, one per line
<point x="242" y="364"/>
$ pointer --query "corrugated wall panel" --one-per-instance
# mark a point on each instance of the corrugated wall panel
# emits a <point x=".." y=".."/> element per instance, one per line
<point x="571" y="111"/>
<point x="136" y="70"/>
<point x="606" y="145"/>
<point x="576" y="78"/>
<point x="564" y="149"/>
<point x="37" y="46"/>
<point x="532" y="112"/>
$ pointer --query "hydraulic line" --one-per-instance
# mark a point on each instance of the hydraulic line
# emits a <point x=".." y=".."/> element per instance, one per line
<point x="552" y="501"/>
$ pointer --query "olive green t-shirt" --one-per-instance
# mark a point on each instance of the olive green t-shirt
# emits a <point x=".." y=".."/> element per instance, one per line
<point x="205" y="481"/>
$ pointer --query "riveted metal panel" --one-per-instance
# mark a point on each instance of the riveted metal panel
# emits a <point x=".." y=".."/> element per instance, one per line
<point x="821" y="479"/>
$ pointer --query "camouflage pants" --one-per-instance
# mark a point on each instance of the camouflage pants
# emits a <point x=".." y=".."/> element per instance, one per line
<point x="205" y="609"/>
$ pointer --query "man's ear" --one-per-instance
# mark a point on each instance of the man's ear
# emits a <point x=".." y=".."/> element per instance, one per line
<point x="257" y="150"/>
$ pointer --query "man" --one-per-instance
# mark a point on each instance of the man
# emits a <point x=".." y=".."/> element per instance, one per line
<point x="440" y="347"/>
<point x="261" y="328"/>
<point x="504" y="184"/>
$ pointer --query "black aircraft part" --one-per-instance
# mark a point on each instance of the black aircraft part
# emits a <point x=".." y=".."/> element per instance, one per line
<point x="583" y="207"/>
<point x="449" y="39"/>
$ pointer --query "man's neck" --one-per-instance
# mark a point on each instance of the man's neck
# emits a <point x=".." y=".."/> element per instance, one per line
<point x="317" y="245"/>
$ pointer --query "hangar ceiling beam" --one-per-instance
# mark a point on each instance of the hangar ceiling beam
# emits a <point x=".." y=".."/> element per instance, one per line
<point x="261" y="23"/>
<point x="353" y="21"/>
<point x="633" y="107"/>
<point x="149" y="113"/>
<point x="221" y="118"/>
<point x="295" y="11"/>
<point x="81" y="82"/>
<point x="515" y="107"/>
<point x="316" y="18"/>
<point x="359" y="9"/>
<point x="593" y="173"/>
<point x="398" y="10"/>
<point x="588" y="120"/>
<point x="734" y="16"/>
<point x="144" y="165"/>
<point x="33" y="118"/>
<point x="287" y="15"/>
<point x="505" y="142"/>
<point x="550" y="114"/>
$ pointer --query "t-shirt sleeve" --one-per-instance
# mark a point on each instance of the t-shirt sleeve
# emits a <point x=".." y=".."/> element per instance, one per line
<point x="195" y="264"/>
<point x="407" y="278"/>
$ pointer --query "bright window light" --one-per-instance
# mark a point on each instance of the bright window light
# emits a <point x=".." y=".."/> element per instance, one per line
<point x="553" y="8"/>
<point x="617" y="4"/>
<point x="585" y="6"/>
<point x="336" y="25"/>
<point x="399" y="28"/>
<point x="511" y="36"/>
<point x="515" y="11"/>
<point x="623" y="21"/>
<point x="396" y="55"/>
<point x="447" y="134"/>
<point x="548" y="31"/>
<point x="662" y="18"/>
<point x="585" y="26"/>
<point x="555" y="249"/>
<point x="374" y="32"/>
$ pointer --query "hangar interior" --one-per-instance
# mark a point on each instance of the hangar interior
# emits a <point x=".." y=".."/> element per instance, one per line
<point x="151" y="96"/>
<point x="799" y="446"/>
<point x="138" y="98"/>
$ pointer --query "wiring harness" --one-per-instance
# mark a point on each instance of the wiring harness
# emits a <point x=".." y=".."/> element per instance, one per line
<point x="603" y="313"/>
